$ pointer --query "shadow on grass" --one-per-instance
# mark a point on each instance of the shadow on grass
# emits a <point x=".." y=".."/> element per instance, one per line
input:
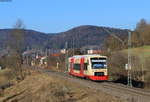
<point x="135" y="83"/>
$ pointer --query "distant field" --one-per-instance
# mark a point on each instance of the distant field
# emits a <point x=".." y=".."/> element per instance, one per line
<point x="141" y="51"/>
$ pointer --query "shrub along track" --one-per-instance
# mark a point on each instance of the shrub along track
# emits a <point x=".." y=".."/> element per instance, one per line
<point x="130" y="94"/>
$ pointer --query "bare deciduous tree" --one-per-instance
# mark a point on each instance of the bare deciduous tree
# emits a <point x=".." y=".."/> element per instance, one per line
<point x="16" y="46"/>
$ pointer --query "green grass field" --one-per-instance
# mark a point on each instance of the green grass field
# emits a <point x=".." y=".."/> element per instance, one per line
<point x="143" y="56"/>
<point x="141" y="51"/>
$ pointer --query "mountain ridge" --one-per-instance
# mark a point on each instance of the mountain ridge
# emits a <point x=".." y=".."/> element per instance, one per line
<point x="77" y="37"/>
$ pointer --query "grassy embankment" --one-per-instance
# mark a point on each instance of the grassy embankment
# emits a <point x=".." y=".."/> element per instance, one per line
<point x="140" y="59"/>
<point x="5" y="76"/>
<point x="141" y="51"/>
<point x="46" y="88"/>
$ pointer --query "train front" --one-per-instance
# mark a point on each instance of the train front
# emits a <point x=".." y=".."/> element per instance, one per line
<point x="98" y="69"/>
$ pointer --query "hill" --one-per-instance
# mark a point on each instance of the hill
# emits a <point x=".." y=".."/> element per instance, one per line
<point x="51" y="90"/>
<point x="140" y="51"/>
<point x="86" y="35"/>
<point x="33" y="39"/>
<point x="76" y="37"/>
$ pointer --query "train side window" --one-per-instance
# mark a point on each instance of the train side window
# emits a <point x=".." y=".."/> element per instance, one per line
<point x="85" y="66"/>
<point x="77" y="66"/>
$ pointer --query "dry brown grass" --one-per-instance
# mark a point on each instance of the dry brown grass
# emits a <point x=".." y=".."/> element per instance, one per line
<point x="44" y="88"/>
<point x="5" y="76"/>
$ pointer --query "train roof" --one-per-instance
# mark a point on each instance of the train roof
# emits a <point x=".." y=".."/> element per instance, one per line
<point x="93" y="55"/>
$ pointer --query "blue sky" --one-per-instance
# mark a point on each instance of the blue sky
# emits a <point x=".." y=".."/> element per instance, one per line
<point x="60" y="15"/>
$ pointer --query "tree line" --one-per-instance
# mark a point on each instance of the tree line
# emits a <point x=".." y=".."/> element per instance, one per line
<point x="139" y="37"/>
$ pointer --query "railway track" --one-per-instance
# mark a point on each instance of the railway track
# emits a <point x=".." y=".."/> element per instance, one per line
<point x="130" y="94"/>
<point x="130" y="89"/>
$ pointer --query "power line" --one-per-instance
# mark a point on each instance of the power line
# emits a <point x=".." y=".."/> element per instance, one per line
<point x="112" y="34"/>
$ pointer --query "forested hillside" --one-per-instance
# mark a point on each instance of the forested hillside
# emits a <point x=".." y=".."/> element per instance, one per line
<point x="77" y="37"/>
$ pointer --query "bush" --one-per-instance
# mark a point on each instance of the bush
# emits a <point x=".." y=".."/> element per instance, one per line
<point x="116" y="65"/>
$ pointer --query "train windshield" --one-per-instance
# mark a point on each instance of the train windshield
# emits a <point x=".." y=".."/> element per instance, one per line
<point x="98" y="63"/>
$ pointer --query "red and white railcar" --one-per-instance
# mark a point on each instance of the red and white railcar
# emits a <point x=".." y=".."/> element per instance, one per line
<point x="93" y="67"/>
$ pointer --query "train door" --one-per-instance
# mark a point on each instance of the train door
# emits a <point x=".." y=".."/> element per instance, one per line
<point x="81" y="66"/>
<point x="71" y="65"/>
